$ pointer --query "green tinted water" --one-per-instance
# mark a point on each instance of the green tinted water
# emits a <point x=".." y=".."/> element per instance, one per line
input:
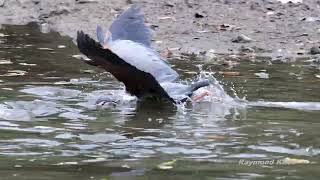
<point x="50" y="127"/>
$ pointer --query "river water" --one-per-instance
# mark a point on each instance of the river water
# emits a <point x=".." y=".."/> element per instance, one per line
<point x="51" y="127"/>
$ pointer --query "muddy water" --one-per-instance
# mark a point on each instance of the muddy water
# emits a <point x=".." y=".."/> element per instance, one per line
<point x="51" y="128"/>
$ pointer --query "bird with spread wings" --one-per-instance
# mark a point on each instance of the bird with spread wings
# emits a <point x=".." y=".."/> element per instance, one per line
<point x="125" y="51"/>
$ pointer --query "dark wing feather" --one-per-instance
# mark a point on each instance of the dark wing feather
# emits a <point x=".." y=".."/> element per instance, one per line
<point x="137" y="82"/>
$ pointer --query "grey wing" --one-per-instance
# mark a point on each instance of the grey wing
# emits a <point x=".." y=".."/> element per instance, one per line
<point x="137" y="82"/>
<point x="144" y="58"/>
<point x="130" y="26"/>
<point x="100" y="35"/>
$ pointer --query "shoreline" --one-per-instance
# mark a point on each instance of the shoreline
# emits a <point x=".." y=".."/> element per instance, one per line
<point x="260" y="27"/>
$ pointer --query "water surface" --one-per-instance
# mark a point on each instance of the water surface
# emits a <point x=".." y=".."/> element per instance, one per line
<point x="51" y="128"/>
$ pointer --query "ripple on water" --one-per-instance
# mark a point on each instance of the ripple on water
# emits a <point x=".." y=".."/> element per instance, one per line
<point x="36" y="108"/>
<point x="29" y="142"/>
<point x="80" y="81"/>
<point x="183" y="150"/>
<point x="36" y="129"/>
<point x="55" y="93"/>
<point x="84" y="147"/>
<point x="27" y="146"/>
<point x="8" y="113"/>
<point x="76" y="116"/>
<point x="283" y="150"/>
<point x="65" y="136"/>
<point x="28" y="110"/>
<point x="75" y="125"/>
<point x="305" y="106"/>
<point x="118" y="99"/>
<point x="8" y="124"/>
<point x="101" y="137"/>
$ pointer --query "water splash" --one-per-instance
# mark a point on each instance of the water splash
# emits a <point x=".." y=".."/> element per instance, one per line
<point x="217" y="103"/>
<point x="218" y="95"/>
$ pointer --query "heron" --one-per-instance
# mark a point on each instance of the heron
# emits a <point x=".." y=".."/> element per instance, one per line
<point x="126" y="52"/>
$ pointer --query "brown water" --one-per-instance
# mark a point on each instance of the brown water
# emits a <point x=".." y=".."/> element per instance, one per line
<point x="51" y="128"/>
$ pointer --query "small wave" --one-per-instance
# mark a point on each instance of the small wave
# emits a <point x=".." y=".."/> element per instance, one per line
<point x="307" y="106"/>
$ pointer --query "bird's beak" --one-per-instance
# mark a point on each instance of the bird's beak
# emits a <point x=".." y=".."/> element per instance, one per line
<point x="200" y="96"/>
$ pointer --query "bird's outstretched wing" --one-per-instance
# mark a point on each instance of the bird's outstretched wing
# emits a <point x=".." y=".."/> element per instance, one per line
<point x="137" y="82"/>
<point x="100" y="35"/>
<point x="130" y="26"/>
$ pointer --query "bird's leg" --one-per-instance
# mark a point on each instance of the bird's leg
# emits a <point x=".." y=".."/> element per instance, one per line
<point x="200" y="96"/>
